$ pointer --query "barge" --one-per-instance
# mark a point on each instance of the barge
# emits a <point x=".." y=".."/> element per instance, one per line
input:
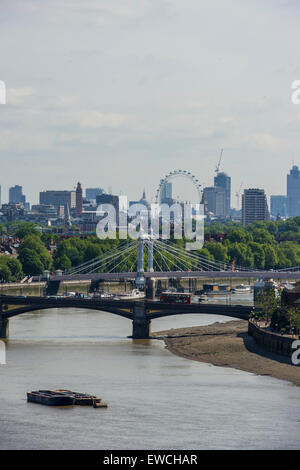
<point x="64" y="398"/>
<point x="84" y="399"/>
<point x="50" y="398"/>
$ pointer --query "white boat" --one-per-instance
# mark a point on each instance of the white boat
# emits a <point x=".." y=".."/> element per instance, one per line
<point x="134" y="294"/>
<point x="242" y="288"/>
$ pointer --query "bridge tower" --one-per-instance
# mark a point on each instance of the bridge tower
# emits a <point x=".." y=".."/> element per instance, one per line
<point x="140" y="278"/>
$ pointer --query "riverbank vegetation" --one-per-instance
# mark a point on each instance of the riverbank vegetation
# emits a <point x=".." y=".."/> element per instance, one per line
<point x="262" y="245"/>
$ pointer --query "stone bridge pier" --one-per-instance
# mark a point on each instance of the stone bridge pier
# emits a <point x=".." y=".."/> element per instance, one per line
<point x="140" y="323"/>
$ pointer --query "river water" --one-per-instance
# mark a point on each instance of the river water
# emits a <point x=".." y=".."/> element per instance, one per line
<point x="156" y="400"/>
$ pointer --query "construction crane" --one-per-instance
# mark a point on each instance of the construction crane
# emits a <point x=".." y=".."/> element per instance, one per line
<point x="218" y="165"/>
<point x="238" y="194"/>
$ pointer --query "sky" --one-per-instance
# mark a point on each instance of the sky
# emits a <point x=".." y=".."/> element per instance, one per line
<point x="118" y="93"/>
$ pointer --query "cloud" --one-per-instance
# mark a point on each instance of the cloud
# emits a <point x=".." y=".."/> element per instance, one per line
<point x="98" y="12"/>
<point x="19" y="96"/>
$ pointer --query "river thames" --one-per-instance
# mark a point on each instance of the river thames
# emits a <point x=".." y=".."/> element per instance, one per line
<point x="156" y="400"/>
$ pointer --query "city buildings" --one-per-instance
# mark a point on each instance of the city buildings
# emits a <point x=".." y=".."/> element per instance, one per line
<point x="222" y="180"/>
<point x="254" y="206"/>
<point x="92" y="193"/>
<point x="16" y="195"/>
<point x="214" y="199"/>
<point x="293" y="192"/>
<point x="278" y="206"/>
<point x="59" y="198"/>
<point x="78" y="200"/>
<point x="166" y="193"/>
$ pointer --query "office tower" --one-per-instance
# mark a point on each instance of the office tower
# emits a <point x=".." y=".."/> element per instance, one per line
<point x="279" y="206"/>
<point x="59" y="198"/>
<point x="166" y="193"/>
<point x="293" y="192"/>
<point x="92" y="193"/>
<point x="222" y="180"/>
<point x="16" y="196"/>
<point x="254" y="206"/>
<point x="214" y="200"/>
<point x="78" y="200"/>
<point x="109" y="199"/>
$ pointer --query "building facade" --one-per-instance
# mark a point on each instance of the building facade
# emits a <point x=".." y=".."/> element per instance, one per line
<point x="222" y="180"/>
<point x="92" y="193"/>
<point x="214" y="199"/>
<point x="58" y="198"/>
<point x="278" y="206"/>
<point x="78" y="200"/>
<point x="293" y="192"/>
<point x="166" y="193"/>
<point x="254" y="206"/>
<point x="16" y="195"/>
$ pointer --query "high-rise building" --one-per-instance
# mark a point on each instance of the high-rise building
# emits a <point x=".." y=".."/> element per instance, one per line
<point x="59" y="198"/>
<point x="293" y="192"/>
<point x="92" y="193"/>
<point x="279" y="206"/>
<point x="109" y="199"/>
<point x="166" y="193"/>
<point x="214" y="199"/>
<point x="0" y="195"/>
<point x="78" y="200"/>
<point x="222" y="180"/>
<point x="16" y="195"/>
<point x="254" y="206"/>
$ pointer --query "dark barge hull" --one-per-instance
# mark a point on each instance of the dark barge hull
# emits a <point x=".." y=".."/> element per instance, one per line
<point x="81" y="399"/>
<point x="44" y="398"/>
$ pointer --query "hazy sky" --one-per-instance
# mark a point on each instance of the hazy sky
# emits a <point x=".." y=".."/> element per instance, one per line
<point x="116" y="93"/>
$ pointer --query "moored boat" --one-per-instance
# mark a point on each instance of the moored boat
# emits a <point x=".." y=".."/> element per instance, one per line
<point x="84" y="399"/>
<point x="50" y="398"/>
<point x="134" y="294"/>
<point x="242" y="288"/>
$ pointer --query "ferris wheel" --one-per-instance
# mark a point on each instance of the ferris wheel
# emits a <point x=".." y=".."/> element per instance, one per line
<point x="178" y="174"/>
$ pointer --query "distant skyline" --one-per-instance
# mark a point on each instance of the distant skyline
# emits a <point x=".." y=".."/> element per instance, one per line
<point x="117" y="94"/>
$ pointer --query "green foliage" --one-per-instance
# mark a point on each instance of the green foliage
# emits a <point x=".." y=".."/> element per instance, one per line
<point x="27" y="228"/>
<point x="11" y="269"/>
<point x="267" y="304"/>
<point x="34" y="256"/>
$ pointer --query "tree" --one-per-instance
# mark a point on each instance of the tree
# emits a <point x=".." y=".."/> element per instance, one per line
<point x="218" y="251"/>
<point x="5" y="274"/>
<point x="34" y="256"/>
<point x="268" y="304"/>
<point x="27" y="228"/>
<point x="31" y="262"/>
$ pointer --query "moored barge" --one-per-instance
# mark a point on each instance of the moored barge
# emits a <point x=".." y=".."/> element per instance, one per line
<point x="84" y="399"/>
<point x="50" y="398"/>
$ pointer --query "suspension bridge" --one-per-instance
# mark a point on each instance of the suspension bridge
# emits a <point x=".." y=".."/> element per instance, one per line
<point x="148" y="259"/>
<point x="144" y="261"/>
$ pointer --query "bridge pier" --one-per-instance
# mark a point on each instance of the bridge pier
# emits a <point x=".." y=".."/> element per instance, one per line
<point x="150" y="288"/>
<point x="140" y="323"/>
<point x="52" y="287"/>
<point x="4" y="324"/>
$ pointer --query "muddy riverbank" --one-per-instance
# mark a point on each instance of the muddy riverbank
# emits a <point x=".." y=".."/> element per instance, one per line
<point x="229" y="345"/>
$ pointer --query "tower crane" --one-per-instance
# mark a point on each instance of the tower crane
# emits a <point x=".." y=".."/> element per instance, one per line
<point x="219" y="163"/>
